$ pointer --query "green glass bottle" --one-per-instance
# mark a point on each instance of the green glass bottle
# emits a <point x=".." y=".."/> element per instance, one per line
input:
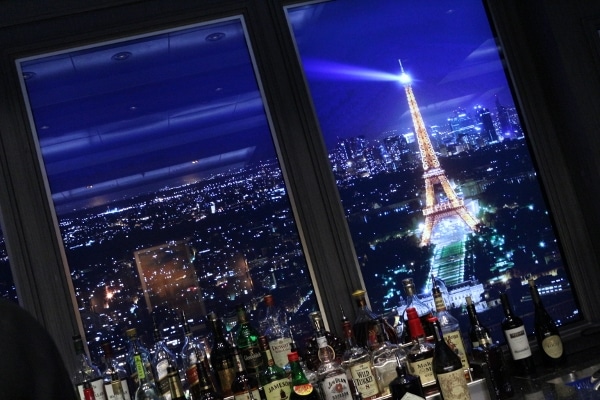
<point x="302" y="389"/>
<point x="273" y="379"/>
<point x="246" y="340"/>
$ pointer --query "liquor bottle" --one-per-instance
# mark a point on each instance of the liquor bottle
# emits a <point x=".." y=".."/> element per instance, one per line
<point x="244" y="385"/>
<point x="491" y="359"/>
<point x="114" y="376"/>
<point x="477" y="329"/>
<point x="405" y="383"/>
<point x="175" y="387"/>
<point x="366" y="322"/>
<point x="311" y="348"/>
<point x="546" y="333"/>
<point x="246" y="340"/>
<point x="147" y="389"/>
<point x="450" y="329"/>
<point x="423" y="310"/>
<point x="302" y="389"/>
<point x="516" y="337"/>
<point x="358" y="365"/>
<point x="192" y="353"/>
<point x="448" y="368"/>
<point x="273" y="379"/>
<point x="332" y="377"/>
<point x="132" y="344"/>
<point x="86" y="372"/>
<point x="88" y="391"/>
<point x="275" y="328"/>
<point x="207" y="389"/>
<point x="420" y="355"/>
<point x="385" y="358"/>
<point x="162" y="359"/>
<point x="221" y="356"/>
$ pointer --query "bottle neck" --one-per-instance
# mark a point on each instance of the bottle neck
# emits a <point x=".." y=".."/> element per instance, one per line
<point x="473" y="315"/>
<point x="506" y="305"/>
<point x="348" y="335"/>
<point x="297" y="374"/>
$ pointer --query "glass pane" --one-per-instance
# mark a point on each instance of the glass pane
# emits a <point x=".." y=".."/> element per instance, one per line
<point x="8" y="290"/>
<point x="430" y="156"/>
<point x="165" y="181"/>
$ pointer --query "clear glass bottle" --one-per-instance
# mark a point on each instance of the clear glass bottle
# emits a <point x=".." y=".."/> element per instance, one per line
<point x="366" y="322"/>
<point x="85" y="371"/>
<point x="448" y="368"/>
<point x="517" y="340"/>
<point x="546" y="333"/>
<point x="115" y="377"/>
<point x="477" y="329"/>
<point x="358" y="365"/>
<point x="275" y="328"/>
<point x="311" y="348"/>
<point x="420" y="355"/>
<point x="147" y="389"/>
<point x="273" y="379"/>
<point x="221" y="356"/>
<point x="132" y="344"/>
<point x="423" y="310"/>
<point x="192" y="353"/>
<point x="385" y="358"/>
<point x="246" y="340"/>
<point x="162" y="359"/>
<point x="302" y="388"/>
<point x="244" y="385"/>
<point x="450" y="329"/>
<point x="405" y="383"/>
<point x="332" y="377"/>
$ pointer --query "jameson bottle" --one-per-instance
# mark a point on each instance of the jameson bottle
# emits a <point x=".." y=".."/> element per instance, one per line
<point x="302" y="389"/>
<point x="450" y="329"/>
<point x="275" y="328"/>
<point x="114" y="376"/>
<point x="423" y="310"/>
<point x="221" y="356"/>
<point x="86" y="372"/>
<point x="332" y="377"/>
<point x="246" y="340"/>
<point x="359" y="366"/>
<point x="448" y="368"/>
<point x="516" y="337"/>
<point x="546" y="333"/>
<point x="311" y="351"/>
<point x="420" y="355"/>
<point x="477" y="330"/>
<point x="273" y="379"/>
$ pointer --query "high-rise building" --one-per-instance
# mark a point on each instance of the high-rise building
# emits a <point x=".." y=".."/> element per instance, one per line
<point x="488" y="132"/>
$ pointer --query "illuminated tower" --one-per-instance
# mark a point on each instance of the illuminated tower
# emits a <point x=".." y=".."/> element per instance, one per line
<point x="433" y="174"/>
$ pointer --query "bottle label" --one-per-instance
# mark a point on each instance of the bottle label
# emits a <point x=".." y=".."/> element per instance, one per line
<point x="553" y="346"/>
<point x="191" y="375"/>
<point x="454" y="341"/>
<point x="336" y="388"/>
<point x="97" y="386"/>
<point x="247" y="395"/>
<point x="280" y="349"/>
<point x="303" y="390"/>
<point x="410" y="396"/>
<point x="518" y="343"/>
<point x="364" y="379"/>
<point x="278" y="390"/>
<point x="252" y="359"/>
<point x="226" y="377"/>
<point x="161" y="368"/>
<point x="453" y="385"/>
<point x="423" y="369"/>
<point x="113" y="394"/>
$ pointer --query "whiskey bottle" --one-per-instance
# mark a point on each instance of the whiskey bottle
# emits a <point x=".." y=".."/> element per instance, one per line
<point x="476" y="330"/>
<point x="516" y="337"/>
<point x="114" y="376"/>
<point x="162" y="359"/>
<point x="86" y="372"/>
<point x="546" y="333"/>
<point x="273" y="379"/>
<point x="207" y="389"/>
<point x="420" y="355"/>
<point x="221" y="356"/>
<point x="385" y="358"/>
<point x="135" y="343"/>
<point x="448" y="368"/>
<point x="244" y="385"/>
<point x="275" y="328"/>
<point x="246" y="340"/>
<point x="311" y="348"/>
<point x="332" y="377"/>
<point x="366" y="322"/>
<point x="147" y="389"/>
<point x="192" y="353"/>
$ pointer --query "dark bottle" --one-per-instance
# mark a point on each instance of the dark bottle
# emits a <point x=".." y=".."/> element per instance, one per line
<point x="477" y="329"/>
<point x="221" y="356"/>
<point x="405" y="383"/>
<point x="366" y="323"/>
<point x="311" y="348"/>
<point x="162" y="359"/>
<point x="115" y="377"/>
<point x="244" y="385"/>
<point x="273" y="379"/>
<point x="192" y="353"/>
<point x="302" y="389"/>
<point x="546" y="333"/>
<point x="491" y="359"/>
<point x="420" y="355"/>
<point x="423" y="311"/>
<point x="205" y="385"/>
<point x="175" y="387"/>
<point x="448" y="368"/>
<point x="516" y="337"/>
<point x="246" y="340"/>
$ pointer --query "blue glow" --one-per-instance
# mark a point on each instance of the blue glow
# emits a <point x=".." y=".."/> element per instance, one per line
<point x="332" y="70"/>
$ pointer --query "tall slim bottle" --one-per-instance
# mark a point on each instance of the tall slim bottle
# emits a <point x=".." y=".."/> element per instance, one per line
<point x="162" y="359"/>
<point x="477" y="329"/>
<point x="420" y="355"/>
<point x="86" y="372"/>
<point x="114" y="376"/>
<point x="244" y="385"/>
<point x="192" y="353"/>
<point x="448" y="368"/>
<point x="221" y="356"/>
<point x="491" y="358"/>
<point x="546" y="333"/>
<point x="135" y="343"/>
<point x="147" y="389"/>
<point x="273" y="379"/>
<point x="516" y="337"/>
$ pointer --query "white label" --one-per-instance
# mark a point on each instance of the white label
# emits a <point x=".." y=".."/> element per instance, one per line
<point x="279" y="350"/>
<point x="336" y="387"/>
<point x="364" y="379"/>
<point x="246" y="395"/>
<point x="453" y="385"/>
<point x="518" y="343"/>
<point x="424" y="370"/>
<point x="553" y="346"/>
<point x="111" y="394"/>
<point x="410" y="396"/>
<point x="278" y="390"/>
<point x="454" y="341"/>
<point x="97" y="385"/>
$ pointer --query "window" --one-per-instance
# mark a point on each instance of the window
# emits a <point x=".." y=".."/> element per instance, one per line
<point x="165" y="181"/>
<point x="430" y="155"/>
<point x="7" y="284"/>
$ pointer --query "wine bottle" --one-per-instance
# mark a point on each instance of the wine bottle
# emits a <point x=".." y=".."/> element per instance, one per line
<point x="207" y="389"/>
<point x="477" y="329"/>
<point x="406" y="383"/>
<point x="491" y="359"/>
<point x="420" y="355"/>
<point x="244" y="385"/>
<point x="221" y="356"/>
<point x="448" y="368"/>
<point x="516" y="337"/>
<point x="273" y="379"/>
<point x="332" y="377"/>
<point x="546" y="333"/>
<point x="86" y="372"/>
<point x="302" y="389"/>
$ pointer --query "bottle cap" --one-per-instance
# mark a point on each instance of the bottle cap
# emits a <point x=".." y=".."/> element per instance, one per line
<point x="268" y="299"/>
<point x="293" y="356"/>
<point x="411" y="313"/>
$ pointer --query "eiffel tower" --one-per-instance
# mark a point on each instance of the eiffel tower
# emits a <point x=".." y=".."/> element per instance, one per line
<point x="433" y="174"/>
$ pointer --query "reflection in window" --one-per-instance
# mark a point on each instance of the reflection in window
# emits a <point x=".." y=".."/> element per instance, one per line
<point x="7" y="284"/>
<point x="165" y="182"/>
<point x="429" y="154"/>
